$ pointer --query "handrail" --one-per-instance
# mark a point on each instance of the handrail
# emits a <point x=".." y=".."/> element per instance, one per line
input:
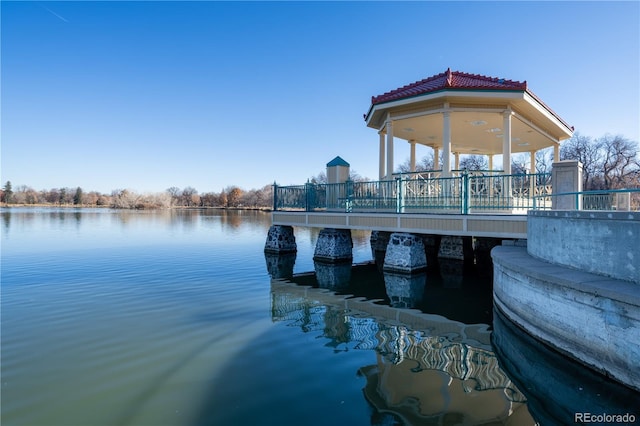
<point x="463" y="194"/>
<point x="626" y="199"/>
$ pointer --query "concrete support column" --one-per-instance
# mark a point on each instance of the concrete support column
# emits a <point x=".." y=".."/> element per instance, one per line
<point x="446" y="144"/>
<point x="280" y="239"/>
<point x="378" y="242"/>
<point x="456" y="248"/>
<point x="405" y="254"/>
<point x="532" y="160"/>
<point x="382" y="159"/>
<point x="566" y="176"/>
<point x="506" y="142"/>
<point x="333" y="246"/>
<point x="556" y="152"/>
<point x="412" y="158"/>
<point x="389" y="149"/>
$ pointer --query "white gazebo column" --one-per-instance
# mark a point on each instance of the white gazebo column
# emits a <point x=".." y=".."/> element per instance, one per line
<point x="532" y="161"/>
<point x="506" y="151"/>
<point x="556" y="152"/>
<point x="436" y="158"/>
<point x="457" y="161"/>
<point x="532" y="179"/>
<point x="490" y="161"/>
<point x="446" y="144"/>
<point x="389" y="149"/>
<point x="506" y="142"/>
<point x="412" y="161"/>
<point x="382" y="157"/>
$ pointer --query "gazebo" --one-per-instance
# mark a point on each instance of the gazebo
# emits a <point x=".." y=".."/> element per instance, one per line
<point x="459" y="113"/>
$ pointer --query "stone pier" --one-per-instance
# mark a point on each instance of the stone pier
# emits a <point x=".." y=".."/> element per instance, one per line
<point x="405" y="254"/>
<point x="280" y="239"/>
<point x="333" y="246"/>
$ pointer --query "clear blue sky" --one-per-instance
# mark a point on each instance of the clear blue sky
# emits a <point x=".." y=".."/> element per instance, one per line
<point x="149" y="95"/>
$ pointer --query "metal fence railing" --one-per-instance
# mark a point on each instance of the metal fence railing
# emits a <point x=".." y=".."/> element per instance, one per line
<point x="425" y="192"/>
<point x="605" y="200"/>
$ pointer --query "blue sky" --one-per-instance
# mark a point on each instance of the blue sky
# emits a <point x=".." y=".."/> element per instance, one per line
<point x="149" y="95"/>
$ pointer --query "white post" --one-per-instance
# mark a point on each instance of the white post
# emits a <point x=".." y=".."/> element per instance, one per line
<point x="457" y="162"/>
<point x="382" y="157"/>
<point x="389" y="149"/>
<point x="436" y="158"/>
<point x="556" y="152"/>
<point x="532" y="160"/>
<point x="412" y="160"/>
<point x="446" y="143"/>
<point x="506" y="152"/>
<point x="490" y="161"/>
<point x="506" y="142"/>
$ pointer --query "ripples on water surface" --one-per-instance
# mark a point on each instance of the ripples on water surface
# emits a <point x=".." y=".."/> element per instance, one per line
<point x="170" y="318"/>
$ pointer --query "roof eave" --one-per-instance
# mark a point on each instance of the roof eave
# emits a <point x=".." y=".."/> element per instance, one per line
<point x="442" y="93"/>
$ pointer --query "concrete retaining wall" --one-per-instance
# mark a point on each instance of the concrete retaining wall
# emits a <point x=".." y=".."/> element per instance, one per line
<point x="590" y="318"/>
<point x="605" y="243"/>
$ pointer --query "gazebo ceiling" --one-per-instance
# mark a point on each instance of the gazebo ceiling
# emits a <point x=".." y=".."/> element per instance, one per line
<point x="476" y="105"/>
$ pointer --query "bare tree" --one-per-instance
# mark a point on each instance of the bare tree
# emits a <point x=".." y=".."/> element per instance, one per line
<point x="620" y="162"/>
<point x="587" y="151"/>
<point x="474" y="162"/>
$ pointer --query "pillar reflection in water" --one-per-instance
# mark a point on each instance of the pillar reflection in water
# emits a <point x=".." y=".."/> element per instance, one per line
<point x="280" y="265"/>
<point x="435" y="371"/>
<point x="405" y="290"/>
<point x="333" y="276"/>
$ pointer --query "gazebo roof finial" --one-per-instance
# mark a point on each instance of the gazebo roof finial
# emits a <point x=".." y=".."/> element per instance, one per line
<point x="449" y="82"/>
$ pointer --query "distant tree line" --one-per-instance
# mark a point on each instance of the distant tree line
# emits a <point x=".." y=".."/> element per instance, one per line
<point x="609" y="162"/>
<point x="230" y="197"/>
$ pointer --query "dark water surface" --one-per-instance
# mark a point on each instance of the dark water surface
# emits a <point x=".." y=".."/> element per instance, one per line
<point x="171" y="318"/>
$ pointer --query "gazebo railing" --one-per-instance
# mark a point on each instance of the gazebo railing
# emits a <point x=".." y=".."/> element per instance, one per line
<point x="463" y="194"/>
<point x="598" y="200"/>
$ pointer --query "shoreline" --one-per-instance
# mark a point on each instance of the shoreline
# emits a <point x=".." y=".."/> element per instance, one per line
<point x="73" y="206"/>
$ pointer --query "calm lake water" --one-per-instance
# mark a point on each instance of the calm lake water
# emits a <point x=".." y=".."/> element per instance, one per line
<point x="172" y="318"/>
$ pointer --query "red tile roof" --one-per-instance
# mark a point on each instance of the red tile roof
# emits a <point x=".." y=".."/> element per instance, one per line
<point x="457" y="80"/>
<point x="449" y="80"/>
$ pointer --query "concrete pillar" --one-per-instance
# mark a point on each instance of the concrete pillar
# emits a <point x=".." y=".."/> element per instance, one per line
<point x="280" y="239"/>
<point x="412" y="157"/>
<point x="506" y="142"/>
<point x="436" y="158"/>
<point x="532" y="161"/>
<point x="333" y="246"/>
<point x="389" y="149"/>
<point x="405" y="254"/>
<point x="378" y="242"/>
<point x="382" y="159"/>
<point x="490" y="161"/>
<point x="455" y="247"/>
<point x="566" y="176"/>
<point x="446" y="143"/>
<point x="457" y="161"/>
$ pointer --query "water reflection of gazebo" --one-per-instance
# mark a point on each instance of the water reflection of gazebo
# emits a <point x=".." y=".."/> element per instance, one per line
<point x="458" y="113"/>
